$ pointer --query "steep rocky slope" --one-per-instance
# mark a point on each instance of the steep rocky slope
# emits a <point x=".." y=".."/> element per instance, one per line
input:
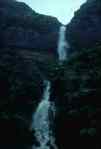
<point x="77" y="88"/>
<point x="22" y="27"/>
<point x="84" y="30"/>
<point x="76" y="84"/>
<point x="26" y="40"/>
<point x="21" y="82"/>
<point x="77" y="91"/>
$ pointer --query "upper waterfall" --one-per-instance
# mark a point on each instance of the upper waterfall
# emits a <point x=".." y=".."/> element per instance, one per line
<point x="63" y="45"/>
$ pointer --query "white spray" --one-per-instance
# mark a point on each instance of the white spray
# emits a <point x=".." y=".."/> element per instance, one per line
<point x="41" y="122"/>
<point x="62" y="44"/>
<point x="40" y="119"/>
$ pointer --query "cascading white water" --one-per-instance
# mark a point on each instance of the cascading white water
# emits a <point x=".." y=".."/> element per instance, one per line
<point x="41" y="122"/>
<point x="63" y="45"/>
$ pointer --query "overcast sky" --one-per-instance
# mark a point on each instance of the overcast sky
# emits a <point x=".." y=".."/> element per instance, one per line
<point x="62" y="9"/>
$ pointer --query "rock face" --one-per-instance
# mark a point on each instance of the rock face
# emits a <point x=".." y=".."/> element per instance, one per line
<point x="76" y="84"/>
<point x="26" y="39"/>
<point x="77" y="91"/>
<point x="84" y="30"/>
<point x="21" y="89"/>
<point x="21" y="82"/>
<point x="77" y="88"/>
<point x="21" y="27"/>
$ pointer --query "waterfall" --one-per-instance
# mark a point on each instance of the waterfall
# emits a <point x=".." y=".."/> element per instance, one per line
<point x="41" y="121"/>
<point x="63" y="45"/>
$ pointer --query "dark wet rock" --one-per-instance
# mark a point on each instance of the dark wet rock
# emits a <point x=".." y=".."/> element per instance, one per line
<point x="84" y="30"/>
<point x="21" y="88"/>
<point x="28" y="41"/>
<point x="77" y="91"/>
<point x="22" y="27"/>
<point x="76" y="84"/>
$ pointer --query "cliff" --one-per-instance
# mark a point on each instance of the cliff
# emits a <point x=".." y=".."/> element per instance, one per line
<point x="22" y="27"/>
<point x="28" y="42"/>
<point x="21" y="83"/>
<point x="77" y="93"/>
<point x="84" y="30"/>
<point x="77" y="88"/>
<point x="76" y="84"/>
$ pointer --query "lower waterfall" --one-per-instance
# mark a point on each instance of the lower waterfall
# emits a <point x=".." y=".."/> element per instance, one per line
<point x="41" y="122"/>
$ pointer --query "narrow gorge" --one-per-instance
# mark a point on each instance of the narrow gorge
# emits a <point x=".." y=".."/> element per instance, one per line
<point x="50" y="78"/>
<point x="41" y="121"/>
